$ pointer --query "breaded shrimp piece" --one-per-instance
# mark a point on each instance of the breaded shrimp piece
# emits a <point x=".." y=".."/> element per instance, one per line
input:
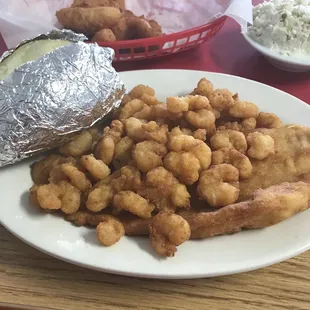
<point x="123" y="150"/>
<point x="77" y="177"/>
<point x="203" y="154"/>
<point x="48" y="196"/>
<point x="221" y="99"/>
<point x="148" y="155"/>
<point x="203" y="119"/>
<point x="229" y="139"/>
<point x="99" y="198"/>
<point x="177" y="105"/>
<point x="62" y="196"/>
<point x="105" y="148"/>
<point x="219" y="185"/>
<point x="140" y="90"/>
<point x="167" y="231"/>
<point x="134" y="129"/>
<point x="181" y="142"/>
<point x="97" y="168"/>
<point x="40" y="170"/>
<point x="268" y="120"/>
<point x="133" y="203"/>
<point x="155" y="132"/>
<point x="204" y="88"/>
<point x="260" y="145"/>
<point x="184" y="166"/>
<point x="130" y="108"/>
<point x="243" y="109"/>
<point x="235" y="158"/>
<point x="110" y="231"/>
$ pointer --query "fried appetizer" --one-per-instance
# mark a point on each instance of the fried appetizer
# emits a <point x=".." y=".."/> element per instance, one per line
<point x="266" y="207"/>
<point x="288" y="161"/>
<point x="167" y="231"/>
<point x="88" y="20"/>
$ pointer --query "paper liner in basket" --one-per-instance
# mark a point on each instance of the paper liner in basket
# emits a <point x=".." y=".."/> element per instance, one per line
<point x="173" y="15"/>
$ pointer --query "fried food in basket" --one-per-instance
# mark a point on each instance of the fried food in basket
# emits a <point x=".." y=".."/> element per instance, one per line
<point x="191" y="167"/>
<point x="107" y="21"/>
<point x="88" y="20"/>
<point x="96" y="3"/>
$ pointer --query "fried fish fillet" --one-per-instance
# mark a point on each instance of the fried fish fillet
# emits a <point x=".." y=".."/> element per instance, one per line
<point x="289" y="163"/>
<point x="134" y="226"/>
<point x="266" y="208"/>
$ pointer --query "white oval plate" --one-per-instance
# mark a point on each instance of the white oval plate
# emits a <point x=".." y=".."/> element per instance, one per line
<point x="216" y="256"/>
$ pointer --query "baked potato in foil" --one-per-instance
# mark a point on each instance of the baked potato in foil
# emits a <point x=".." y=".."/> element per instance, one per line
<point x="52" y="88"/>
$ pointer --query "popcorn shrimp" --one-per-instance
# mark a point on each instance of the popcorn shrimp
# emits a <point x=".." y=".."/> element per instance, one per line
<point x="122" y="153"/>
<point x="181" y="142"/>
<point x="177" y="104"/>
<point x="48" y="196"/>
<point x="167" y="231"/>
<point x="130" y="108"/>
<point x="155" y="132"/>
<point x="105" y="148"/>
<point x="200" y="134"/>
<point x="140" y="90"/>
<point x="179" y="195"/>
<point x="134" y="129"/>
<point x="184" y="166"/>
<point x="40" y="171"/>
<point x="260" y="145"/>
<point x="248" y="123"/>
<point x="77" y="177"/>
<point x="229" y="138"/>
<point x="235" y="158"/>
<point x="204" y="88"/>
<point x="97" y="168"/>
<point x="203" y="119"/>
<point x="268" y="120"/>
<point x="221" y="99"/>
<point x="219" y="185"/>
<point x="110" y="230"/>
<point x="164" y="190"/>
<point x="150" y="100"/>
<point x="133" y="203"/>
<point x="203" y="154"/>
<point x="244" y="109"/>
<point x="99" y="198"/>
<point x="62" y="196"/>
<point x="70" y="197"/>
<point x="148" y="155"/>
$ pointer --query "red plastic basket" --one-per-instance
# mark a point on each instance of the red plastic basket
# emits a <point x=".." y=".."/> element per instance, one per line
<point x="164" y="45"/>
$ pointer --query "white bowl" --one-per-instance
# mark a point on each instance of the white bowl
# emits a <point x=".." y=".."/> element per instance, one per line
<point x="288" y="63"/>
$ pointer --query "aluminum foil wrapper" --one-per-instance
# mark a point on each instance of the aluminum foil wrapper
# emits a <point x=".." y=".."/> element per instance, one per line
<point x="46" y="102"/>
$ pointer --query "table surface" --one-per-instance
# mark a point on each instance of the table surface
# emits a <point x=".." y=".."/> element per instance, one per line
<point x="31" y="279"/>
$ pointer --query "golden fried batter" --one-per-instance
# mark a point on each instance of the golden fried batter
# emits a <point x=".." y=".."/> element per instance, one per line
<point x="133" y="203"/>
<point x="167" y="231"/>
<point x="110" y="231"/>
<point x="219" y="185"/>
<point x="265" y="208"/>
